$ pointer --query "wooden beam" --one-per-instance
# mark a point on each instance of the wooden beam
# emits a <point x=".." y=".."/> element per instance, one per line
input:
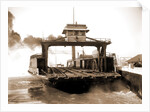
<point x="45" y="55"/>
<point x="98" y="51"/>
<point x="73" y="53"/>
<point x="87" y="43"/>
<point x="101" y="59"/>
<point x="105" y="63"/>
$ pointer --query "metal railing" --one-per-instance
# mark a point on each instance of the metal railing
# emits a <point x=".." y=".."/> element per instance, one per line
<point x="98" y="39"/>
<point x="88" y="39"/>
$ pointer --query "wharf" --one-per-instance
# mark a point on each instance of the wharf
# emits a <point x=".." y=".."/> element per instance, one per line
<point x="136" y="70"/>
<point x="134" y="79"/>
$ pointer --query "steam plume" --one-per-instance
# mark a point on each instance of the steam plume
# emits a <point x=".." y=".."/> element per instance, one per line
<point x="32" y="42"/>
<point x="10" y="21"/>
<point x="13" y="37"/>
<point x="51" y="37"/>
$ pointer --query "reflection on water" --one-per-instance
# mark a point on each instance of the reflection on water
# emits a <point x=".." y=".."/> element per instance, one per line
<point x="33" y="90"/>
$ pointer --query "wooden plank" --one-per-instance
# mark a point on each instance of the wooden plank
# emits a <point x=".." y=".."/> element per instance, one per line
<point x="80" y="73"/>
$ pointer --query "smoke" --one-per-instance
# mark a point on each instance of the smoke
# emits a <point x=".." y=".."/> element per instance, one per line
<point x="32" y="42"/>
<point x="20" y="50"/>
<point x="19" y="60"/>
<point x="51" y="37"/>
<point x="13" y="37"/>
<point x="10" y="21"/>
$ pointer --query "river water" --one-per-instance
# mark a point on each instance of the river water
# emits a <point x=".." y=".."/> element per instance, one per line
<point x="32" y="90"/>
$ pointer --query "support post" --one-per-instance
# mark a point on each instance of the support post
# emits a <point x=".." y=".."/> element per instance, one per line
<point x="98" y="57"/>
<point x="45" y="55"/>
<point x="73" y="53"/>
<point x="105" y="63"/>
<point x="101" y="59"/>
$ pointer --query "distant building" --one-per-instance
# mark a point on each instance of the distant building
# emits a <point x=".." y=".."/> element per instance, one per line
<point x="135" y="61"/>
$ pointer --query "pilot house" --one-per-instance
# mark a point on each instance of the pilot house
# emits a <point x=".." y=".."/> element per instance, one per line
<point x="75" y="32"/>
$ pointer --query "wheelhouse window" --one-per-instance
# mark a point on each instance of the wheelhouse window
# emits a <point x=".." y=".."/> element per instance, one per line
<point x="70" y="33"/>
<point x="82" y="33"/>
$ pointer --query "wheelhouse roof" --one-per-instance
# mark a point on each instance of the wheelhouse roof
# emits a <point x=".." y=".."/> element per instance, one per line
<point x="75" y="27"/>
<point x="137" y="58"/>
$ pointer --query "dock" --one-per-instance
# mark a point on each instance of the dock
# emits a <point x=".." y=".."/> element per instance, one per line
<point x="133" y="79"/>
<point x="58" y="73"/>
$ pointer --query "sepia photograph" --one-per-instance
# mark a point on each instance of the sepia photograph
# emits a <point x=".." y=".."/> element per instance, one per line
<point x="74" y="52"/>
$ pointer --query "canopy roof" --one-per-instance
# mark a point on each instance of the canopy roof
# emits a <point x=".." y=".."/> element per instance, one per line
<point x="137" y="58"/>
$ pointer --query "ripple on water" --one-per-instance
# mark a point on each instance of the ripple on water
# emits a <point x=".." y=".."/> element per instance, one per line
<point x="24" y="82"/>
<point x="31" y="91"/>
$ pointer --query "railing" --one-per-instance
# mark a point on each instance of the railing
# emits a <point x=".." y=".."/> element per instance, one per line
<point x="88" y="39"/>
<point x="98" y="39"/>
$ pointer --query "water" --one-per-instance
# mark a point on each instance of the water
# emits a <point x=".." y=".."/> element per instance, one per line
<point x="31" y="90"/>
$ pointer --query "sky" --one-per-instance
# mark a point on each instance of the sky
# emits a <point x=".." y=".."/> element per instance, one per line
<point x="123" y="25"/>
